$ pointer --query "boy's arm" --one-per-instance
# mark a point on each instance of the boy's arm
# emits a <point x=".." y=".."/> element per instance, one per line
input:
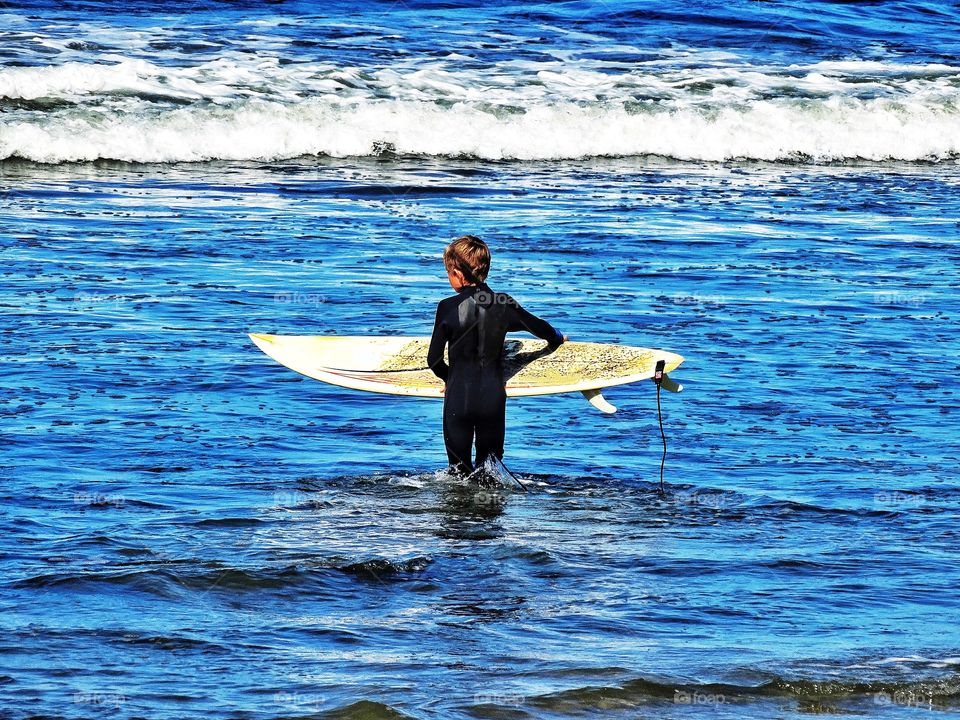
<point x="435" y="354"/>
<point x="522" y="320"/>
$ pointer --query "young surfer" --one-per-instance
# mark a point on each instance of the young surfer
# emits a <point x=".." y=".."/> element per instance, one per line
<point x="472" y="325"/>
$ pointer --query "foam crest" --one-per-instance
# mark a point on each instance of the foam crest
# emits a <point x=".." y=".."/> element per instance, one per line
<point x="260" y="109"/>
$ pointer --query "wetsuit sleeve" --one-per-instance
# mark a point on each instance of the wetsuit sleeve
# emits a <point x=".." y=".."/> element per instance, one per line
<point x="438" y="342"/>
<point x="521" y="320"/>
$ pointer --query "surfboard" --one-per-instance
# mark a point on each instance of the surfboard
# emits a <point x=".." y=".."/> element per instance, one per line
<point x="396" y="365"/>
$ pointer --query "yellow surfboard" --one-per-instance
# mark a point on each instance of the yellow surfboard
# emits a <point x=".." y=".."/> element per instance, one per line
<point x="398" y="365"/>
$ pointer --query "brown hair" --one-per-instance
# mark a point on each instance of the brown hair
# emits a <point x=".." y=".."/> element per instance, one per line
<point x="470" y="255"/>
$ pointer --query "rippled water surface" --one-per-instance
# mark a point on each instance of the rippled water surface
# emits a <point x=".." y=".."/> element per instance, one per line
<point x="179" y="508"/>
<point x="191" y="530"/>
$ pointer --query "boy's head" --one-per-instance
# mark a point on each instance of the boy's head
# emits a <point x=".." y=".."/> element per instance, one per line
<point x="470" y="256"/>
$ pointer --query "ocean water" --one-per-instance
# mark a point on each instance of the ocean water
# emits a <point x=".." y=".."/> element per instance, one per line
<point x="191" y="530"/>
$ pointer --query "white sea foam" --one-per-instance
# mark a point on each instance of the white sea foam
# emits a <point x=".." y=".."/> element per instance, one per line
<point x="236" y="109"/>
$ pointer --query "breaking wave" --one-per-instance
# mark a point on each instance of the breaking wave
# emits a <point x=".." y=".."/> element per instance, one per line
<point x="230" y="109"/>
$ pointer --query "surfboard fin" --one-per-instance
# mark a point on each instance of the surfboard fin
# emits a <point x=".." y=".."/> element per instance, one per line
<point x="668" y="384"/>
<point x="596" y="398"/>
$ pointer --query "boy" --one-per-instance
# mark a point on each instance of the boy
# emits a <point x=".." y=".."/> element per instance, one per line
<point x="474" y="323"/>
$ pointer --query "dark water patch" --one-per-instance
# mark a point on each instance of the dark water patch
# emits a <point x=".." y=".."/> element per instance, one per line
<point x="229" y="522"/>
<point x="154" y="582"/>
<point x="386" y="192"/>
<point x="171" y="642"/>
<point x="379" y="569"/>
<point x="794" y="509"/>
<point x="171" y="578"/>
<point x="42" y="104"/>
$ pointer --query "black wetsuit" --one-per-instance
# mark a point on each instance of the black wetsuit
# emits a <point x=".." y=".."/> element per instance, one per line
<point x="474" y="323"/>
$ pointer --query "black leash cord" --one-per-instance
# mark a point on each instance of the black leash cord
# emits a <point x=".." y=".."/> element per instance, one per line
<point x="663" y="437"/>
<point x="522" y="486"/>
<point x="658" y="379"/>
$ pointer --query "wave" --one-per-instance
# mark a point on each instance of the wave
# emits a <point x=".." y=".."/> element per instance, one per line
<point x="823" y="695"/>
<point x="359" y="710"/>
<point x="172" y="578"/>
<point x="227" y="110"/>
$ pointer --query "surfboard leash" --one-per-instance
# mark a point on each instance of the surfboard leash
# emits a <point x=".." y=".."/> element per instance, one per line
<point x="510" y="473"/>
<point x="658" y="378"/>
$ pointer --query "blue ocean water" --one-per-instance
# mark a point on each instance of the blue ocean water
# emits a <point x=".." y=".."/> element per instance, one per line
<point x="192" y="530"/>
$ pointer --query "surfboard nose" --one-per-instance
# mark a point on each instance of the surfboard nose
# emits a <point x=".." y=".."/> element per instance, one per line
<point x="265" y="342"/>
